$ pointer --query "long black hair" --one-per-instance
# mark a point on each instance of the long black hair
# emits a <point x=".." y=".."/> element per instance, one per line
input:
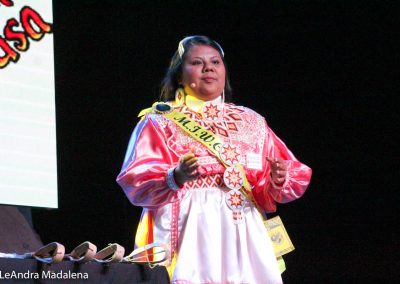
<point x="170" y="83"/>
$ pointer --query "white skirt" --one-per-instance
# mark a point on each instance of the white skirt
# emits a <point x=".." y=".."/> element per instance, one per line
<point x="211" y="247"/>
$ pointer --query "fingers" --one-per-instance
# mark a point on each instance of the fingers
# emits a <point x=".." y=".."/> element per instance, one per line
<point x="269" y="159"/>
<point x="192" y="167"/>
<point x="276" y="163"/>
<point x="186" y="170"/>
<point x="189" y="155"/>
<point x="188" y="162"/>
<point x="191" y="161"/>
<point x="279" y="179"/>
<point x="278" y="169"/>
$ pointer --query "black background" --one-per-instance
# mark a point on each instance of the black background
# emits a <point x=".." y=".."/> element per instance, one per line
<point x="322" y="73"/>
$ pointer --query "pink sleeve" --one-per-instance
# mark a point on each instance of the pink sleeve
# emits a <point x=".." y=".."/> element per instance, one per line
<point x="144" y="172"/>
<point x="297" y="178"/>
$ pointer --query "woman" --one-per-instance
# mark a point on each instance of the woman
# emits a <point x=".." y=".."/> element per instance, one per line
<point x="193" y="190"/>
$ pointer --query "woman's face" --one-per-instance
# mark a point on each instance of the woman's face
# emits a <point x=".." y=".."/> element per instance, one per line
<point x="203" y="72"/>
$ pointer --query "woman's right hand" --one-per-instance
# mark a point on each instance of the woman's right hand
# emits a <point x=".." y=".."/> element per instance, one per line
<point x="187" y="168"/>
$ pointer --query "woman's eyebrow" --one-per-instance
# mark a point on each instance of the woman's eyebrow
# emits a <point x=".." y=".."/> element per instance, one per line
<point x="203" y="58"/>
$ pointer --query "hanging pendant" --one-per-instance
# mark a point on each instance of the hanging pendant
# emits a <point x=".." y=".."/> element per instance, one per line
<point x="229" y="154"/>
<point x="237" y="216"/>
<point x="235" y="201"/>
<point x="233" y="178"/>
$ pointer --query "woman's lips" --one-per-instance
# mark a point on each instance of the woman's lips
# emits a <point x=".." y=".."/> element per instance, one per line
<point x="209" y="79"/>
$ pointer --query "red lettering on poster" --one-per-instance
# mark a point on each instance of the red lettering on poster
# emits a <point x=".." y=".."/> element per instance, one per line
<point x="7" y="3"/>
<point x="22" y="42"/>
<point x="10" y="54"/>
<point x="33" y="26"/>
<point x="29" y="15"/>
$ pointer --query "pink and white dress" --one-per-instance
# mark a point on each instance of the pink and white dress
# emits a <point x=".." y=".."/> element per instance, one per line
<point x="197" y="220"/>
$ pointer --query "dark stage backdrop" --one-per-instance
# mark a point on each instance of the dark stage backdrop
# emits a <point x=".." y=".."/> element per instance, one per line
<point x="321" y="73"/>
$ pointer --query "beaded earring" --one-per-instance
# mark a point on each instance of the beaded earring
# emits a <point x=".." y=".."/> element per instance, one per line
<point x="179" y="96"/>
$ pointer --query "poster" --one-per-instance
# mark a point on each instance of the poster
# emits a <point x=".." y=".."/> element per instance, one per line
<point x="28" y="162"/>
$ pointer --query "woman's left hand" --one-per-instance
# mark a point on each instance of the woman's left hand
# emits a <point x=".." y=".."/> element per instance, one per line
<point x="278" y="170"/>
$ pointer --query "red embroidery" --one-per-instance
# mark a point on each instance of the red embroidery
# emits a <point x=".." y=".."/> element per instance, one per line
<point x="211" y="111"/>
<point x="233" y="178"/>
<point x="235" y="200"/>
<point x="209" y="181"/>
<point x="235" y="116"/>
<point x="230" y="154"/>
<point x="231" y="126"/>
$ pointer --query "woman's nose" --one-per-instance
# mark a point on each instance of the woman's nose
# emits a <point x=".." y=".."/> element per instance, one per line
<point x="208" y="67"/>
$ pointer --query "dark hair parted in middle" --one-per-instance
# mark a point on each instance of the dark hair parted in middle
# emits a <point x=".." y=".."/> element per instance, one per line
<point x="170" y="83"/>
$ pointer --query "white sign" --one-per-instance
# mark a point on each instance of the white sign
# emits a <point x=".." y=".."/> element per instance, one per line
<point x="28" y="162"/>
